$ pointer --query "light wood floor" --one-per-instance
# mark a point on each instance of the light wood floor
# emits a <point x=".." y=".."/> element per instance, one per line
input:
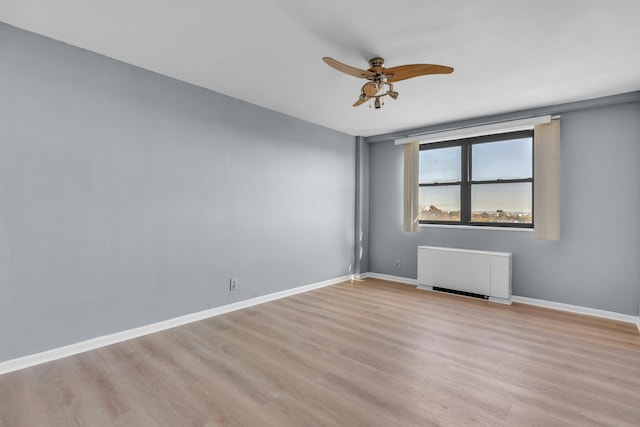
<point x="368" y="353"/>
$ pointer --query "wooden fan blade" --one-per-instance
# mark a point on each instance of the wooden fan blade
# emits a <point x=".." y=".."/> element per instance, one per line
<point x="361" y="101"/>
<point x="371" y="89"/>
<point x="347" y="69"/>
<point x="404" y="72"/>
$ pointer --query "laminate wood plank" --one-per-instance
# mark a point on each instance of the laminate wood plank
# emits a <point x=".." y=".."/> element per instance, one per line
<point x="55" y="401"/>
<point x="310" y="364"/>
<point x="360" y="353"/>
<point x="16" y="400"/>
<point x="173" y="396"/>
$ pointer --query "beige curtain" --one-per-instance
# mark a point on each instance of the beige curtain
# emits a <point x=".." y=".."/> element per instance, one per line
<point x="546" y="172"/>
<point x="411" y="188"/>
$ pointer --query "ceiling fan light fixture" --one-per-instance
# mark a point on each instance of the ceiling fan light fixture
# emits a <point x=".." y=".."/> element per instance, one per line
<point x="378" y="76"/>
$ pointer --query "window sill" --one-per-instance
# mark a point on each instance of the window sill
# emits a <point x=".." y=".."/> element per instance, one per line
<point x="475" y="227"/>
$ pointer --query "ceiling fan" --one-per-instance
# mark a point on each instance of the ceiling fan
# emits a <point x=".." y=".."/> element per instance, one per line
<point x="378" y="77"/>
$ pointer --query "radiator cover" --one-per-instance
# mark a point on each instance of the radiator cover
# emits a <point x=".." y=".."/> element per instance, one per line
<point x="485" y="273"/>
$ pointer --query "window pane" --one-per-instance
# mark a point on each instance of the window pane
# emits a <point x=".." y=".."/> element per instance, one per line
<point x="501" y="202"/>
<point x="440" y="165"/>
<point x="440" y="203"/>
<point x="511" y="159"/>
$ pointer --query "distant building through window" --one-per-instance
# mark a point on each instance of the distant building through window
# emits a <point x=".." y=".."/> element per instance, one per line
<point x="485" y="180"/>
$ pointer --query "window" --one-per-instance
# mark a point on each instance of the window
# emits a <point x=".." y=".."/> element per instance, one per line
<point x="485" y="180"/>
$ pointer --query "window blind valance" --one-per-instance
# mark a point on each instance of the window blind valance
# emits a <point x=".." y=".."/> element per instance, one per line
<point x="473" y="131"/>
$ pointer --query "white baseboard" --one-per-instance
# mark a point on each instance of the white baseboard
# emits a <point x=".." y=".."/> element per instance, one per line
<point x="94" y="343"/>
<point x="398" y="279"/>
<point x="612" y="315"/>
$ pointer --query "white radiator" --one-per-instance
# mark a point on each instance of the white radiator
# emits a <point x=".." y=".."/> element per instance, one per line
<point x="464" y="270"/>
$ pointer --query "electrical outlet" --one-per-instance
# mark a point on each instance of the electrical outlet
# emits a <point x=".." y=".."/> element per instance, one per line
<point x="396" y="265"/>
<point x="233" y="284"/>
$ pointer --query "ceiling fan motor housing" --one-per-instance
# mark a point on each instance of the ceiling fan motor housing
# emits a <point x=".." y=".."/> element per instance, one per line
<point x="376" y="62"/>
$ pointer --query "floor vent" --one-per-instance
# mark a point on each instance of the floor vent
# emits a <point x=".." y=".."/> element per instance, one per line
<point x="466" y="294"/>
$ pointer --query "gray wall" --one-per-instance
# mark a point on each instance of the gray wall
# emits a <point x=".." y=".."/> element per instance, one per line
<point x="128" y="198"/>
<point x="596" y="264"/>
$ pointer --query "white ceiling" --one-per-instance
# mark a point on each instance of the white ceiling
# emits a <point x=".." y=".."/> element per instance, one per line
<point x="508" y="54"/>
